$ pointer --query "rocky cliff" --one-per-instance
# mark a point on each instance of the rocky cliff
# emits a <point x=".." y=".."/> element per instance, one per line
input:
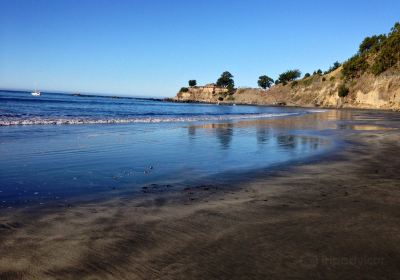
<point x="208" y="93"/>
<point x="367" y="91"/>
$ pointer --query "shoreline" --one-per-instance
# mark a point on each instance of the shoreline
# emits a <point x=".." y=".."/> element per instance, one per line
<point x="332" y="218"/>
<point x="230" y="179"/>
<point x="231" y="103"/>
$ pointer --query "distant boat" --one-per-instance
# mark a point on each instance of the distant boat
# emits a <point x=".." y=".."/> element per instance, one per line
<point x="35" y="93"/>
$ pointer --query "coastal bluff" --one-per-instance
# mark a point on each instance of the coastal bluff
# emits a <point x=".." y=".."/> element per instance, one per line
<point x="366" y="91"/>
<point x="208" y="93"/>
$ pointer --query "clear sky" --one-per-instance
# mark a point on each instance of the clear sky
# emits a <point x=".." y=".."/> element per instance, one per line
<point x="152" y="47"/>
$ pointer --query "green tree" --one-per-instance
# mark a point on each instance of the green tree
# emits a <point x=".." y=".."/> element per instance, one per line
<point x="226" y="80"/>
<point x="289" y="75"/>
<point x="307" y="75"/>
<point x="372" y="42"/>
<point x="192" y="83"/>
<point x="336" y="65"/>
<point x="265" y="81"/>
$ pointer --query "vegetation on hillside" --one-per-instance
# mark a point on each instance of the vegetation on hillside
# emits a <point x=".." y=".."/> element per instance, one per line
<point x="343" y="91"/>
<point x="226" y="81"/>
<point x="184" y="89"/>
<point x="288" y="76"/>
<point x="335" y="66"/>
<point x="192" y="83"/>
<point x="318" y="72"/>
<point x="265" y="82"/>
<point x="376" y="54"/>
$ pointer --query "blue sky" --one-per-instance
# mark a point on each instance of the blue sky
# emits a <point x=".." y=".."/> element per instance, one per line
<point x="151" y="48"/>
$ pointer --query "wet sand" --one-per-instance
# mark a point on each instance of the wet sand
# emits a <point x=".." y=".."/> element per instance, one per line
<point x="333" y="218"/>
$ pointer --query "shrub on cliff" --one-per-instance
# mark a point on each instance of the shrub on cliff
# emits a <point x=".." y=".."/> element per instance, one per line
<point x="371" y="43"/>
<point x="265" y="81"/>
<point x="307" y="75"/>
<point x="184" y="89"/>
<point x="192" y="83"/>
<point x="289" y="75"/>
<point x="335" y="66"/>
<point x="226" y="80"/>
<point x="355" y="66"/>
<point x="343" y="91"/>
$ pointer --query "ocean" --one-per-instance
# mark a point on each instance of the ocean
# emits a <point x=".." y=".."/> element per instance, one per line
<point x="59" y="147"/>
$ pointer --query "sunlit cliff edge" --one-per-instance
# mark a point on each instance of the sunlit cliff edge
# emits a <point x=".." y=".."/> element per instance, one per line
<point x="367" y="91"/>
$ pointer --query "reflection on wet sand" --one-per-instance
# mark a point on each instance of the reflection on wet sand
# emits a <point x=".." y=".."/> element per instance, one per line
<point x="224" y="135"/>
<point x="286" y="141"/>
<point x="266" y="132"/>
<point x="266" y="129"/>
<point x="263" y="134"/>
<point x="287" y="133"/>
<point x="322" y="120"/>
<point x="362" y="127"/>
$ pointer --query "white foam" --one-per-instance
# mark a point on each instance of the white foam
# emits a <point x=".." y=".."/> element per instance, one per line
<point x="317" y="111"/>
<point x="75" y="121"/>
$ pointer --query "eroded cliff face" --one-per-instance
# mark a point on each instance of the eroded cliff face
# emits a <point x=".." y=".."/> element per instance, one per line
<point x="208" y="93"/>
<point x="367" y="91"/>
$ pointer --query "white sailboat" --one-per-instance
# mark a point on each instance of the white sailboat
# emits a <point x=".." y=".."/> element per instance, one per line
<point x="35" y="93"/>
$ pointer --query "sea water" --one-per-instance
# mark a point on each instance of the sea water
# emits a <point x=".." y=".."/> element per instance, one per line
<point x="60" y="146"/>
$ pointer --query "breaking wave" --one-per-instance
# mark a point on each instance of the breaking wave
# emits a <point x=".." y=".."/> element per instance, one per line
<point x="10" y="121"/>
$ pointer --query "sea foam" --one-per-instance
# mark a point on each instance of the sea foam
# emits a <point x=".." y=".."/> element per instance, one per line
<point x="7" y="121"/>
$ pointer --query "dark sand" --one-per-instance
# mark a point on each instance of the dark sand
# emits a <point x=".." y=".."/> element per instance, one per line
<point x="336" y="218"/>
